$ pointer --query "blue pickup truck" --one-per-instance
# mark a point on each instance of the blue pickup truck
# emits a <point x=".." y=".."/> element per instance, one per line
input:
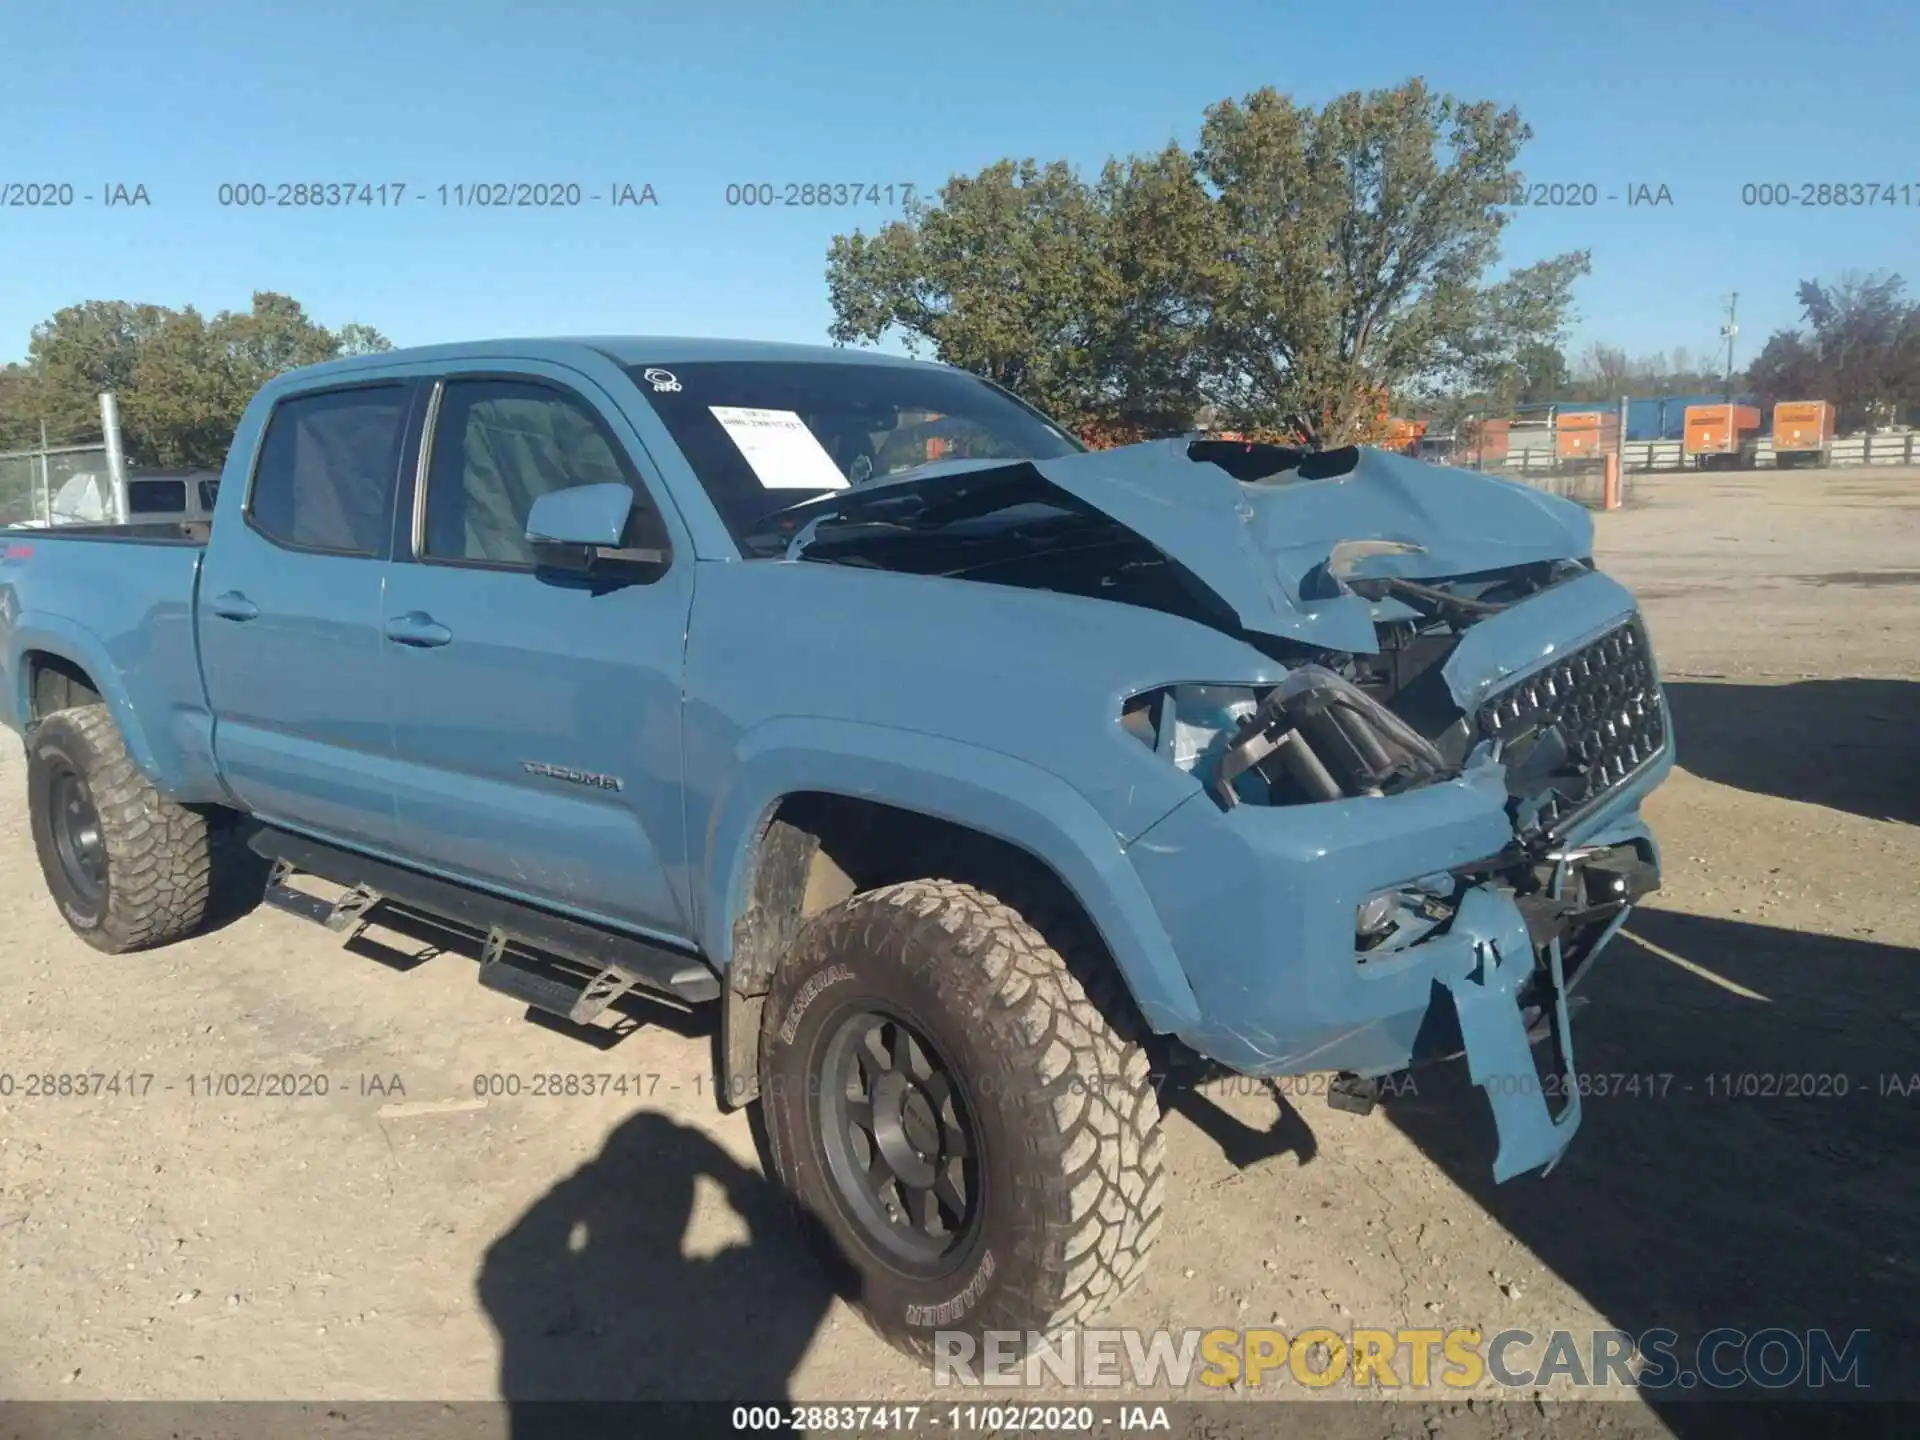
<point x="961" y="767"/>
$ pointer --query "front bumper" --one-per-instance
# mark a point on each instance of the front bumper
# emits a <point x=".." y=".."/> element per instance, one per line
<point x="1260" y="905"/>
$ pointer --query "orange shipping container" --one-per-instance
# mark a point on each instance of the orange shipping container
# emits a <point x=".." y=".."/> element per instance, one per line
<point x="1581" y="434"/>
<point x="1802" y="425"/>
<point x="1489" y="439"/>
<point x="1718" y="429"/>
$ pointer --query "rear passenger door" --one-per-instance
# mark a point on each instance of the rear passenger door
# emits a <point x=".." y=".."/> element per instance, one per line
<point x="536" y="715"/>
<point x="289" y="615"/>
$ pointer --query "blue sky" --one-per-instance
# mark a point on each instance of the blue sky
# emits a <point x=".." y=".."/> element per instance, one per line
<point x="181" y="97"/>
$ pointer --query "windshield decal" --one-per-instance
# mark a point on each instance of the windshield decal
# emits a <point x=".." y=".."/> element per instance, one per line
<point x="662" y="381"/>
<point x="781" y="449"/>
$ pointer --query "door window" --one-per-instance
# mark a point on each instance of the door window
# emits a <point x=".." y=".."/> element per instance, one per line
<point x="498" y="446"/>
<point x="326" y="473"/>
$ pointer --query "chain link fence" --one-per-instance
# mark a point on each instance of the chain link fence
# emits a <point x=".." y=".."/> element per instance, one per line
<point x="31" y="480"/>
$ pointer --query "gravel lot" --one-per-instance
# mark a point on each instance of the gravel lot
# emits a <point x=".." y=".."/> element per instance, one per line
<point x="400" y="1237"/>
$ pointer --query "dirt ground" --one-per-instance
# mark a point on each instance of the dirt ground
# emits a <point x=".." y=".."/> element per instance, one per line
<point x="401" y="1236"/>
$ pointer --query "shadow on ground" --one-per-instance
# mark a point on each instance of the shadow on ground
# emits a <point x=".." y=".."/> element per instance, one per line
<point x="596" y="1300"/>
<point x="1846" y="744"/>
<point x="1710" y="1199"/>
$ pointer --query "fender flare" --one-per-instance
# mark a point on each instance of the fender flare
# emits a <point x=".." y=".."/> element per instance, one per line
<point x="49" y="634"/>
<point x="983" y="790"/>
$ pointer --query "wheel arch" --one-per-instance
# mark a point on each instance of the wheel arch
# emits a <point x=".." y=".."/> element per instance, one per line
<point x="171" y="746"/>
<point x="48" y="650"/>
<point x="53" y="682"/>
<point x="819" y="812"/>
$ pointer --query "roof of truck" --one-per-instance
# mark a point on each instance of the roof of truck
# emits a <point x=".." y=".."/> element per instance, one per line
<point x="623" y="349"/>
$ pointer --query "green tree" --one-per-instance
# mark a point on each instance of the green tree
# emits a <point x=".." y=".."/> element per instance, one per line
<point x="1860" y="348"/>
<point x="1075" y="295"/>
<point x="181" y="379"/>
<point x="1289" y="272"/>
<point x="1788" y="368"/>
<point x="83" y="350"/>
<point x="19" y="408"/>
<point x="1537" y="372"/>
<point x="274" y="335"/>
<point x="362" y="340"/>
<point x="1359" y="240"/>
<point x="188" y="388"/>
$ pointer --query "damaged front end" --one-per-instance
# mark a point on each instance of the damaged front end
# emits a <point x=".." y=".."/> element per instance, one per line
<point x="1527" y="698"/>
<point x="1412" y="843"/>
<point x="1445" y="831"/>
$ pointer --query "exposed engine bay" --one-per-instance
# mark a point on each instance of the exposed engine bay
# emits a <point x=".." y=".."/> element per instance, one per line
<point x="1372" y="716"/>
<point x="1345" y="724"/>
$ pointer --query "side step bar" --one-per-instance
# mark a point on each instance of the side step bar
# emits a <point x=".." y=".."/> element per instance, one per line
<point x="618" y="963"/>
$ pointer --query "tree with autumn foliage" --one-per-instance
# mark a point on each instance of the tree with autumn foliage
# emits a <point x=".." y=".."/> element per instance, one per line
<point x="1288" y="272"/>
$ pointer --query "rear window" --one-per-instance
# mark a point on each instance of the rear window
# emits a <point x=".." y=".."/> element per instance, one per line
<point x="156" y="497"/>
<point x="765" y="435"/>
<point x="326" y="474"/>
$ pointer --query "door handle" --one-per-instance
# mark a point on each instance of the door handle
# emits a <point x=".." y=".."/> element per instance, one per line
<point x="233" y="606"/>
<point x="416" y="627"/>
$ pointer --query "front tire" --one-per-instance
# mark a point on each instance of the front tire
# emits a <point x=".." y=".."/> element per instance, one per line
<point x="960" y="1126"/>
<point x="128" y="868"/>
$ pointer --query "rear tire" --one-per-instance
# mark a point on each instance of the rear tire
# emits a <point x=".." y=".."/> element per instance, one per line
<point x="927" y="1057"/>
<point x="129" y="868"/>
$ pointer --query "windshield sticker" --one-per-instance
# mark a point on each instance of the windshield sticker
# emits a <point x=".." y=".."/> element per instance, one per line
<point x="661" y="380"/>
<point x="783" y="453"/>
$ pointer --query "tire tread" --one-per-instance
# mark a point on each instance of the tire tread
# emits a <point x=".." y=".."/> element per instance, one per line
<point x="160" y="853"/>
<point x="1095" y="1156"/>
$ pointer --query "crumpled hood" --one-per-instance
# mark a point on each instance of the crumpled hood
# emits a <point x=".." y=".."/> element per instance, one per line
<point x="1267" y="547"/>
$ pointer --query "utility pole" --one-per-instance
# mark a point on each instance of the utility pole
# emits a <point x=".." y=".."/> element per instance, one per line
<point x="1729" y="330"/>
<point x="45" y="517"/>
<point x="116" y="457"/>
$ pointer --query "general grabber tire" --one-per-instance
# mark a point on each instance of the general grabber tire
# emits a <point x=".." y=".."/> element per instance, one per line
<point x="964" y="1134"/>
<point x="128" y="867"/>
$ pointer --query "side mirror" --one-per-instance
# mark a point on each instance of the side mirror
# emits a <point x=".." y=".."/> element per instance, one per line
<point x="584" y="529"/>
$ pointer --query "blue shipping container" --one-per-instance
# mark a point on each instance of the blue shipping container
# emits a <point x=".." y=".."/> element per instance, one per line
<point x="1665" y="418"/>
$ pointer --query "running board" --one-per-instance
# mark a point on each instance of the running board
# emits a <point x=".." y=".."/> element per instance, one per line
<point x="618" y="963"/>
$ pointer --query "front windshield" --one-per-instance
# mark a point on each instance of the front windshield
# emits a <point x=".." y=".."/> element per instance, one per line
<point x="766" y="435"/>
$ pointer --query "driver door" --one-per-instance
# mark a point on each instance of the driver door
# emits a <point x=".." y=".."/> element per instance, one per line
<point x="536" y="716"/>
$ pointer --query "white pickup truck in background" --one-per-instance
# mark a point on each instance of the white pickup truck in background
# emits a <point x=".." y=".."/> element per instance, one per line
<point x="161" y="496"/>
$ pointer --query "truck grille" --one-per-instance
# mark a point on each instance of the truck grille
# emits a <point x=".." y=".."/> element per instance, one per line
<point x="1577" y="729"/>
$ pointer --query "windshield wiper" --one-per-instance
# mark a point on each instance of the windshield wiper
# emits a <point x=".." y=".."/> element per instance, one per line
<point x="926" y="503"/>
<point x="811" y="530"/>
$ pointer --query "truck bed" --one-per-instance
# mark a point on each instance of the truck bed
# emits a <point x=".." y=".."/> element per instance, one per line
<point x="114" y="602"/>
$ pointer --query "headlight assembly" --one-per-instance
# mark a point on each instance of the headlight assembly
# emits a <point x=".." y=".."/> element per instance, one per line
<point x="1315" y="736"/>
